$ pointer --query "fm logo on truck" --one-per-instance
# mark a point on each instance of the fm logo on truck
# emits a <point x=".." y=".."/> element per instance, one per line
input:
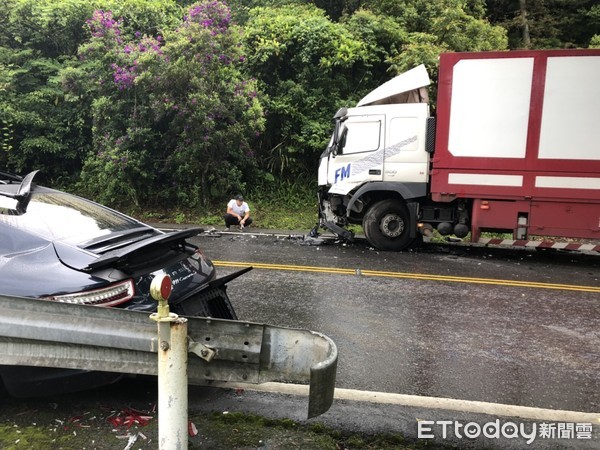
<point x="342" y="172"/>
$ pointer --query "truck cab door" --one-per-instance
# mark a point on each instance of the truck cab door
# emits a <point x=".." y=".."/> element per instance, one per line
<point x="359" y="156"/>
<point x="406" y="158"/>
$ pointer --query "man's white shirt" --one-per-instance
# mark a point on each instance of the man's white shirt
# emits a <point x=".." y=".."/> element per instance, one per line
<point x="239" y="210"/>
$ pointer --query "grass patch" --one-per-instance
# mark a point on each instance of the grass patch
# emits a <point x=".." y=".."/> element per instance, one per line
<point x="72" y="425"/>
<point x="64" y="423"/>
<point x="220" y="431"/>
<point x="13" y="436"/>
<point x="264" y="215"/>
<point x="275" y="216"/>
<point x="281" y="205"/>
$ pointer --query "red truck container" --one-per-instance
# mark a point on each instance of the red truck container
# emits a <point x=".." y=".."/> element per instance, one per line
<point x="517" y="150"/>
<point x="524" y="144"/>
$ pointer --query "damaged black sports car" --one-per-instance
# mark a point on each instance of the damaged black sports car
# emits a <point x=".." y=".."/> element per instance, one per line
<point x="64" y="248"/>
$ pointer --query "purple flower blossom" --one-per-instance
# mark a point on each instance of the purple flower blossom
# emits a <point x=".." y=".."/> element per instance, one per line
<point x="212" y="14"/>
<point x="123" y="77"/>
<point x="103" y="25"/>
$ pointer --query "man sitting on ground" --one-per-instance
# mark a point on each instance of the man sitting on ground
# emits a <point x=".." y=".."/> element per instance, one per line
<point x="238" y="213"/>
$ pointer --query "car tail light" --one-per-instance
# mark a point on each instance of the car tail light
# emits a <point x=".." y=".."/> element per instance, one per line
<point x="112" y="295"/>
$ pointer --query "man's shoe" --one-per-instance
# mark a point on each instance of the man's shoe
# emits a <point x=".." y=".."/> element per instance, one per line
<point x="226" y="229"/>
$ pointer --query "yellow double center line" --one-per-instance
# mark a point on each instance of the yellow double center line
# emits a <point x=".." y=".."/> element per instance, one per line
<point x="412" y="276"/>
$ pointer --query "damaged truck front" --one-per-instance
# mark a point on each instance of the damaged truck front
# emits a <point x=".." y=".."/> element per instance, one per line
<point x="363" y="181"/>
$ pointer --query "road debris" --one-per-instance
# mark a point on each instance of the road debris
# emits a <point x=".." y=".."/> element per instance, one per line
<point x="127" y="417"/>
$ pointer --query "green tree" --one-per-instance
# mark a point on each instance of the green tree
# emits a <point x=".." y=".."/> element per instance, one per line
<point x="174" y="117"/>
<point x="383" y="37"/>
<point x="308" y="66"/>
<point x="593" y="17"/>
<point x="42" y="128"/>
<point x="44" y="120"/>
<point x="547" y="23"/>
<point x="457" y="25"/>
<point x="334" y="9"/>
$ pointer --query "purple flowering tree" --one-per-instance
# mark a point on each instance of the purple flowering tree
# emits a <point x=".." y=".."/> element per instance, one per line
<point x="174" y="117"/>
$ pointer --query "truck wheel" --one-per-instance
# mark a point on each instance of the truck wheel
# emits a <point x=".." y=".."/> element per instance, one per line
<point x="387" y="225"/>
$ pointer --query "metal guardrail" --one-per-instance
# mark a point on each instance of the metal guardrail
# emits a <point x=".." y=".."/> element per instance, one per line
<point x="50" y="334"/>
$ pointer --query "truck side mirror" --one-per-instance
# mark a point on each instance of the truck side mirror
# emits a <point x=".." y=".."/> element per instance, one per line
<point x="341" y="131"/>
<point x="342" y="142"/>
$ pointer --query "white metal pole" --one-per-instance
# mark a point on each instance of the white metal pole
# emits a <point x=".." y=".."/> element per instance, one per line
<point x="173" y="385"/>
<point x="172" y="369"/>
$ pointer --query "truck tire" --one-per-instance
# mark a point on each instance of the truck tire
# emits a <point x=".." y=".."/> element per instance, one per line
<point x="387" y="225"/>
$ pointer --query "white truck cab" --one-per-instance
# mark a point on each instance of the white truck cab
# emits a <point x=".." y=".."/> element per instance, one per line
<point x="381" y="144"/>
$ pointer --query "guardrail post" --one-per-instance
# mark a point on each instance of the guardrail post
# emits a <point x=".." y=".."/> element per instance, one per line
<point x="172" y="370"/>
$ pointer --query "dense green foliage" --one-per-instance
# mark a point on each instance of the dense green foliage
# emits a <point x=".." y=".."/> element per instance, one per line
<point x="170" y="104"/>
<point x="548" y="23"/>
<point x="179" y="115"/>
<point x="305" y="65"/>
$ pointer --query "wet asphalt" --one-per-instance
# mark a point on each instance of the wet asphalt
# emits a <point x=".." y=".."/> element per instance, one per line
<point x="517" y="327"/>
<point x="461" y="337"/>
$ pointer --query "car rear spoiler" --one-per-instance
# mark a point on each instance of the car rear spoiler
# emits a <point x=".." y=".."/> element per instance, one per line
<point x="24" y="193"/>
<point x="122" y="258"/>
